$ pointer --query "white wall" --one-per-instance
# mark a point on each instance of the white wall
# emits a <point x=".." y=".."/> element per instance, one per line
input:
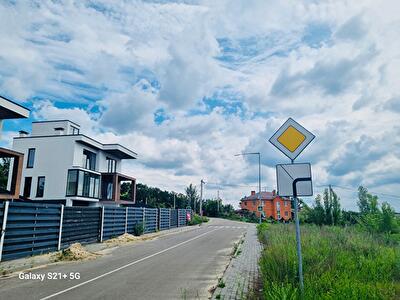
<point x="47" y="128"/>
<point x="53" y="158"/>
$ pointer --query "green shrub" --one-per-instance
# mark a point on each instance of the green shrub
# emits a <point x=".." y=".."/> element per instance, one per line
<point x="197" y="219"/>
<point x="138" y="229"/>
<point x="338" y="263"/>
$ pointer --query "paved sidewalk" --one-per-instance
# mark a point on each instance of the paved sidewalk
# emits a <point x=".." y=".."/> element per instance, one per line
<point x="240" y="276"/>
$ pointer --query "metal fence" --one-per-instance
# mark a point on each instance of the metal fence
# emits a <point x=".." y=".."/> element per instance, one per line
<point x="135" y="217"/>
<point x="33" y="228"/>
<point x="115" y="222"/>
<point x="173" y="217"/>
<point x="164" y="218"/>
<point x="80" y="224"/>
<point x="29" y="229"/>
<point x="151" y="220"/>
<point x="181" y="217"/>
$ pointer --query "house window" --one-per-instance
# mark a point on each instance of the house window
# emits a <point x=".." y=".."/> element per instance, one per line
<point x="72" y="183"/>
<point x="111" y="165"/>
<point x="279" y="215"/>
<point x="278" y="206"/>
<point x="89" y="160"/>
<point x="245" y="203"/>
<point x="286" y="203"/>
<point x="286" y="213"/>
<point x="31" y="158"/>
<point x="40" y="186"/>
<point x="74" y="130"/>
<point x="27" y="187"/>
<point x="83" y="184"/>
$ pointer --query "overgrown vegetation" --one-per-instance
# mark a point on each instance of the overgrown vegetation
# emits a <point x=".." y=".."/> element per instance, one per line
<point x="338" y="262"/>
<point x="371" y="217"/>
<point x="197" y="219"/>
<point x="346" y="255"/>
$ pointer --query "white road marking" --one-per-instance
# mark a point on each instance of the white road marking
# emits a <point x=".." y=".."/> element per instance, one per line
<point x="125" y="266"/>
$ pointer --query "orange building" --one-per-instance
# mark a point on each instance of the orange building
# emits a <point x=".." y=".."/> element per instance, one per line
<point x="273" y="205"/>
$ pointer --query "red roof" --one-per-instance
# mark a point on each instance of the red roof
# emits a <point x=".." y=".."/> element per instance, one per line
<point x="264" y="196"/>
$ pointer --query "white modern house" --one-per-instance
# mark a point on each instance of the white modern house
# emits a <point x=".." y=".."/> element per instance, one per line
<point x="65" y="166"/>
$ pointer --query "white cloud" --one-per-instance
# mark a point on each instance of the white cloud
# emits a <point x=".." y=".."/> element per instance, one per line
<point x="333" y="66"/>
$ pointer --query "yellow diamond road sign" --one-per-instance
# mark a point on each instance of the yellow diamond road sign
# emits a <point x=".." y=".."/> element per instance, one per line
<point x="291" y="138"/>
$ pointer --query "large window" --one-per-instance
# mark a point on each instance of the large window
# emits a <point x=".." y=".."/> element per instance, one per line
<point x="89" y="160"/>
<point x="278" y="206"/>
<point x="40" y="186"/>
<point x="111" y="165"/>
<point x="83" y="184"/>
<point x="31" y="158"/>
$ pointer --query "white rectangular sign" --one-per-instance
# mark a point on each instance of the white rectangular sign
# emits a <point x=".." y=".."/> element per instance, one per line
<point x="286" y="174"/>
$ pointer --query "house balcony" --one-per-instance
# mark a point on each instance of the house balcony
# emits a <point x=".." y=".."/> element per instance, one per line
<point x="111" y="186"/>
<point x="10" y="181"/>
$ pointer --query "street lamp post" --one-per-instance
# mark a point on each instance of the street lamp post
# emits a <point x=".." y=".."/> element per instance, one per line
<point x="259" y="175"/>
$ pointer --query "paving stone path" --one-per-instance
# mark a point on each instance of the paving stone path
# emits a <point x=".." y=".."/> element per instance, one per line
<point x="240" y="276"/>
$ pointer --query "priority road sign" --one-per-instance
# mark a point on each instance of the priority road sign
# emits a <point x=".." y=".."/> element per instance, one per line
<point x="288" y="176"/>
<point x="291" y="138"/>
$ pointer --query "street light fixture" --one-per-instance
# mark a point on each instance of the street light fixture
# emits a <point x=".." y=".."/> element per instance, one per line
<point x="259" y="174"/>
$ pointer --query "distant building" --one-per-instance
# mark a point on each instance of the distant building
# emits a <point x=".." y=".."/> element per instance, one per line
<point x="273" y="206"/>
<point x="65" y="166"/>
<point x="10" y="186"/>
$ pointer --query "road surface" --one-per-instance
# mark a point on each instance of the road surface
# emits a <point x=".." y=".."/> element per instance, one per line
<point x="182" y="265"/>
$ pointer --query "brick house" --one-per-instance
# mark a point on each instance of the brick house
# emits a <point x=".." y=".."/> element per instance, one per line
<point x="273" y="205"/>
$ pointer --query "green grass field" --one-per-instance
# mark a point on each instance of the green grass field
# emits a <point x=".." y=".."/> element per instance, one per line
<point x="338" y="263"/>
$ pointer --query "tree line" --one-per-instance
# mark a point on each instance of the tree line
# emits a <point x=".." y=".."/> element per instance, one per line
<point x="326" y="210"/>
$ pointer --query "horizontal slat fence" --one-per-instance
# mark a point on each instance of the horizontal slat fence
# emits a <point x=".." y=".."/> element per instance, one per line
<point x="31" y="229"/>
<point x="174" y="218"/>
<point x="114" y="222"/>
<point x="80" y="225"/>
<point x="37" y="228"/>
<point x="181" y="217"/>
<point x="164" y="217"/>
<point x="135" y="216"/>
<point x="151" y="220"/>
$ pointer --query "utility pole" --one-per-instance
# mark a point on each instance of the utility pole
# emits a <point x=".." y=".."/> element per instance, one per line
<point x="201" y="197"/>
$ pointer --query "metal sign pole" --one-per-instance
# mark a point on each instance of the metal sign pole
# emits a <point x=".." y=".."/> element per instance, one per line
<point x="298" y="237"/>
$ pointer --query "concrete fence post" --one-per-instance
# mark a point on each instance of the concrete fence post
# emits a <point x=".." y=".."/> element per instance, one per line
<point x="61" y="225"/>
<point x="3" y="228"/>
<point x="102" y="224"/>
<point x="126" y="219"/>
<point x="177" y="217"/>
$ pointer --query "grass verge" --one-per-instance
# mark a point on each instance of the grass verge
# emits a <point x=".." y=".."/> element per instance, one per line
<point x="338" y="263"/>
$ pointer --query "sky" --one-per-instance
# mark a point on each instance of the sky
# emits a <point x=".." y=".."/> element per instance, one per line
<point x="189" y="84"/>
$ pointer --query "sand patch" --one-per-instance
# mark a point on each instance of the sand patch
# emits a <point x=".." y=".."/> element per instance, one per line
<point x="122" y="239"/>
<point x="75" y="252"/>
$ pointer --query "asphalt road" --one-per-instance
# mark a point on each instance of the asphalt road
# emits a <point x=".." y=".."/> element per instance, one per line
<point x="182" y="265"/>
